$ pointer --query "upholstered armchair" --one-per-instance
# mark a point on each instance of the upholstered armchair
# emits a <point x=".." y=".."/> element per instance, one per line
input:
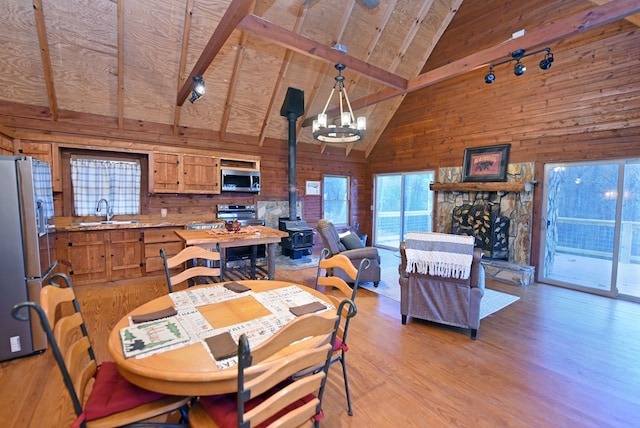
<point x="443" y="300"/>
<point x="356" y="252"/>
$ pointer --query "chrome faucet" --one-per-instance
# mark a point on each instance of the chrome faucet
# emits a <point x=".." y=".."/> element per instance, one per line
<point x="109" y="210"/>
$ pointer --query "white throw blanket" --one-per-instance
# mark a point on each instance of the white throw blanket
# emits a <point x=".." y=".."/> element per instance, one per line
<point x="439" y="254"/>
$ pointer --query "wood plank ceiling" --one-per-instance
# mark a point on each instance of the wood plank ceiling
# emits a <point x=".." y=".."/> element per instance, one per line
<point x="134" y="59"/>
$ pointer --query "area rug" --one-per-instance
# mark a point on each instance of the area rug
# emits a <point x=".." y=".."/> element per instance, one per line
<point x="493" y="301"/>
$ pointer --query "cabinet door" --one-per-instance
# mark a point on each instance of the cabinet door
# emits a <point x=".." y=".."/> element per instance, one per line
<point x="166" y="173"/>
<point x="125" y="254"/>
<point x="200" y="174"/>
<point x="154" y="240"/>
<point x="86" y="257"/>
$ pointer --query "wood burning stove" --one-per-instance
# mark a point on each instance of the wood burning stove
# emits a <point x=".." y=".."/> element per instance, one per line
<point x="300" y="239"/>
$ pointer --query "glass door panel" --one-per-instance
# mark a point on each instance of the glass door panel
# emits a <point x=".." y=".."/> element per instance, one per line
<point x="628" y="274"/>
<point x="418" y="209"/>
<point x="581" y="207"/>
<point x="403" y="203"/>
<point x="387" y="223"/>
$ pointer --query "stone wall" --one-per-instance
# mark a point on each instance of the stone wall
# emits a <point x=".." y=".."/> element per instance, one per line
<point x="518" y="206"/>
<point x="272" y="211"/>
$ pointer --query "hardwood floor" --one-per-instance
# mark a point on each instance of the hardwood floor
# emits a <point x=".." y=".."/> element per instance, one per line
<point x="555" y="358"/>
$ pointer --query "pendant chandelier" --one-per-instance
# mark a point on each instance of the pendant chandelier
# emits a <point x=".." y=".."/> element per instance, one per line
<point x="346" y="129"/>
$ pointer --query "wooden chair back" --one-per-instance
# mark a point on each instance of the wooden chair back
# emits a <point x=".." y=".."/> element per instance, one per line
<point x="340" y="261"/>
<point x="67" y="336"/>
<point x="190" y="253"/>
<point x="258" y="372"/>
<point x="71" y="347"/>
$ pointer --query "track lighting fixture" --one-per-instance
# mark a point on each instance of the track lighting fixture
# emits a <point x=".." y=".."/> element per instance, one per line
<point x="198" y="89"/>
<point x="489" y="77"/>
<point x="545" y="63"/>
<point x="519" y="68"/>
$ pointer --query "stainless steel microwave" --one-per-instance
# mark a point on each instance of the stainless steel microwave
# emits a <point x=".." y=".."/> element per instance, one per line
<point x="237" y="180"/>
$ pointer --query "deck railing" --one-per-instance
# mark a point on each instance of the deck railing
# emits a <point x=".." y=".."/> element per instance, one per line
<point x="595" y="238"/>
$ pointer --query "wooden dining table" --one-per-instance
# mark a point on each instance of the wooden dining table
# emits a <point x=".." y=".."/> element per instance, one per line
<point x="247" y="236"/>
<point x="191" y="369"/>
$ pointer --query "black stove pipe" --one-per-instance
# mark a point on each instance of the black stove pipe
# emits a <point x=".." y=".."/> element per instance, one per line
<point x="292" y="108"/>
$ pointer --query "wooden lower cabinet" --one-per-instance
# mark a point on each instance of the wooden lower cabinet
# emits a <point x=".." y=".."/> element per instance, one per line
<point x="125" y="254"/>
<point x="90" y="257"/>
<point x="154" y="240"/>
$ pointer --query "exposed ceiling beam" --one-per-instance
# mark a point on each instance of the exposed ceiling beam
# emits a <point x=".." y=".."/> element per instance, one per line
<point x="120" y="24"/>
<point x="567" y="27"/>
<point x="634" y="19"/>
<point x="46" y="58"/>
<point x="186" y="31"/>
<point x="306" y="46"/>
<point x="233" y="85"/>
<point x="238" y="9"/>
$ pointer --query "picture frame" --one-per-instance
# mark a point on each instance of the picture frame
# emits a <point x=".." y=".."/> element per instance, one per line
<point x="312" y="188"/>
<point x="487" y="163"/>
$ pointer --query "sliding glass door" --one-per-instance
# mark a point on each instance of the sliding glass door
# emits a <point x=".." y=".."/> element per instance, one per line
<point x="403" y="203"/>
<point x="592" y="227"/>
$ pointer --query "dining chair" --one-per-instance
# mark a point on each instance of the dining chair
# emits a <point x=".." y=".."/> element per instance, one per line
<point x="194" y="254"/>
<point x="342" y="263"/>
<point x="113" y="401"/>
<point x="268" y="393"/>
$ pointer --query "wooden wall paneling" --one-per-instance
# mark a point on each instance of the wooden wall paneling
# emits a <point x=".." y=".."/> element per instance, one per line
<point x="586" y="107"/>
<point x="6" y="145"/>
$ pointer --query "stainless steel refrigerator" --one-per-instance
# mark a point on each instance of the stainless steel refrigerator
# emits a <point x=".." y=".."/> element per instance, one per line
<point x="26" y="249"/>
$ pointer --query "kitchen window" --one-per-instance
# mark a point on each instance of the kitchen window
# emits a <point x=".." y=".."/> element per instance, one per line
<point x="117" y="181"/>
<point x="335" y="199"/>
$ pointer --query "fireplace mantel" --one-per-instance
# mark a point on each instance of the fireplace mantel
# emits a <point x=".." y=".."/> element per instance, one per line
<point x="483" y="187"/>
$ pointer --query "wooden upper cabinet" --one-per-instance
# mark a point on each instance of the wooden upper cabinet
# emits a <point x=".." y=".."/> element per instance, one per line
<point x="184" y="173"/>
<point x="165" y="173"/>
<point x="201" y="174"/>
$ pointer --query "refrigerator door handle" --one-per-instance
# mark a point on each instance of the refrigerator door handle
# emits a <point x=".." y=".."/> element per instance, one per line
<point x="42" y="224"/>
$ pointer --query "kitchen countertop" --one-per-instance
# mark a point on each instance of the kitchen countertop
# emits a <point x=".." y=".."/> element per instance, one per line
<point x="69" y="224"/>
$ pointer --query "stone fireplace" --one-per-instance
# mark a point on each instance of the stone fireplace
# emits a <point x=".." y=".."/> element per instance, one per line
<point x="485" y="207"/>
<point x="482" y="220"/>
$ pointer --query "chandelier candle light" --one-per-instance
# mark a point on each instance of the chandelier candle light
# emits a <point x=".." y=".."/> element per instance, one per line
<point x="350" y="129"/>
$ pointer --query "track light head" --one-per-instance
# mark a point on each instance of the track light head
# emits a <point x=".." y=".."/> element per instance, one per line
<point x="545" y="63"/>
<point x="198" y="89"/>
<point x="489" y="77"/>
<point x="519" y="69"/>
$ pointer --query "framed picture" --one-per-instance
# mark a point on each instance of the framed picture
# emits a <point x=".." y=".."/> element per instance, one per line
<point x="486" y="163"/>
<point x="313" y="188"/>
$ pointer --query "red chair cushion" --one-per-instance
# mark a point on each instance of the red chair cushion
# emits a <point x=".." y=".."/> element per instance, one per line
<point x="223" y="409"/>
<point x="338" y="344"/>
<point x="112" y="393"/>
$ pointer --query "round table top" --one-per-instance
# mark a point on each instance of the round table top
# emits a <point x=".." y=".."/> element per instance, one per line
<point x="190" y="370"/>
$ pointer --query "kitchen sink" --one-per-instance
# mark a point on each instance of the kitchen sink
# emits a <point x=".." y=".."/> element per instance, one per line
<point x="104" y="222"/>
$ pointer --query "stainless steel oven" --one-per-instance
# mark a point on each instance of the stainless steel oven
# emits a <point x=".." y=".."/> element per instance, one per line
<point x="247" y="216"/>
